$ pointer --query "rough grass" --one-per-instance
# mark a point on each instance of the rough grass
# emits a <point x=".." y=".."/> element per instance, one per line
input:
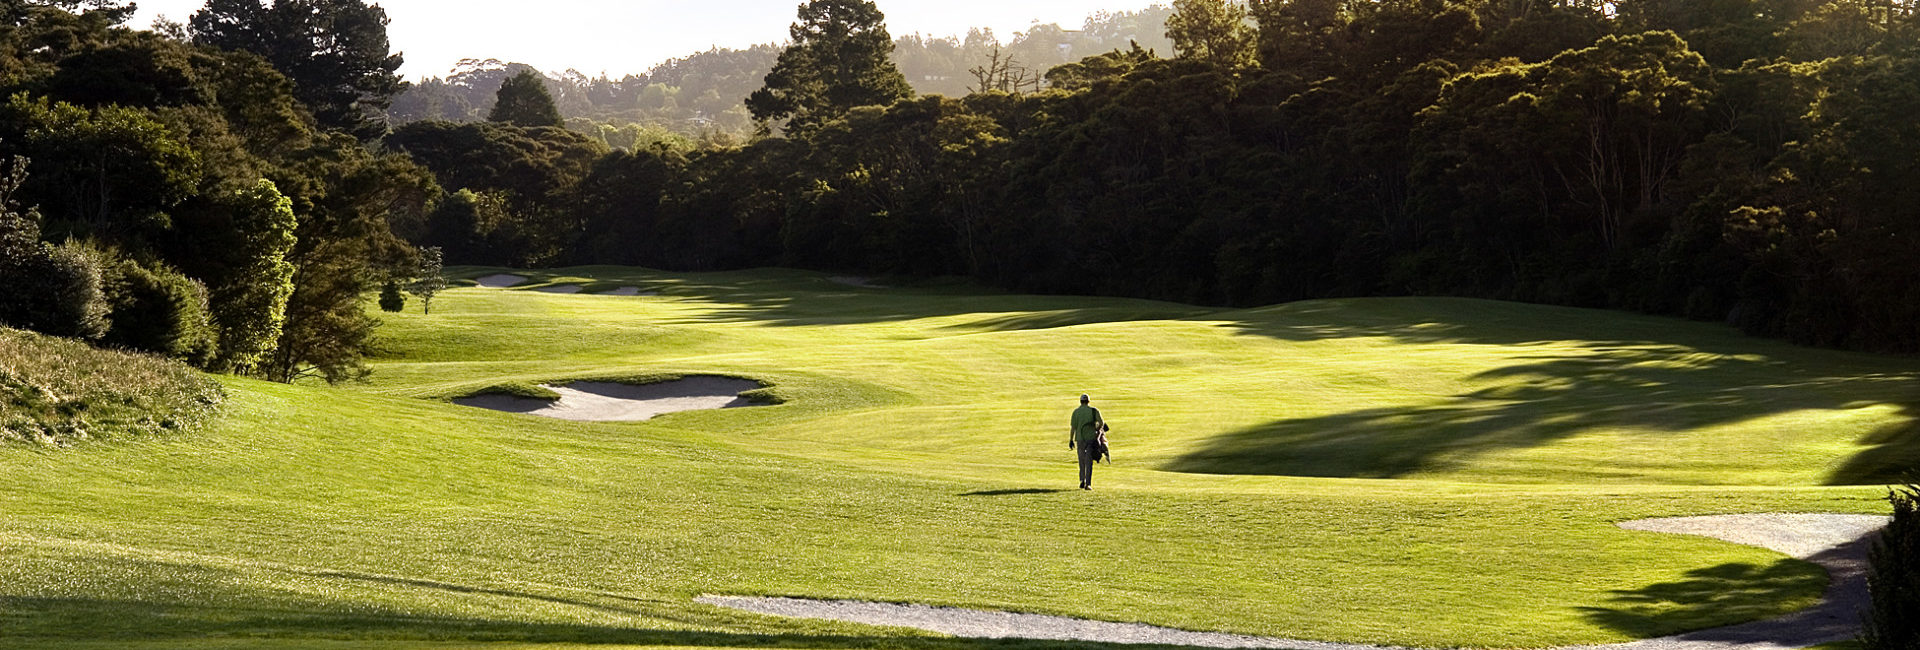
<point x="920" y="456"/>
<point x="57" y="392"/>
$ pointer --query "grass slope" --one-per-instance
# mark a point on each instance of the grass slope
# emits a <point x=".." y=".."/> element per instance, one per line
<point x="56" y="392"/>
<point x="918" y="458"/>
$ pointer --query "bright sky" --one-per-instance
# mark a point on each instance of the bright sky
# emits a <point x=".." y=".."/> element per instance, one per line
<point x="618" y="38"/>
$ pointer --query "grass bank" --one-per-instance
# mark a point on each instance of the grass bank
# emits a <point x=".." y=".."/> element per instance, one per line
<point x="57" y="392"/>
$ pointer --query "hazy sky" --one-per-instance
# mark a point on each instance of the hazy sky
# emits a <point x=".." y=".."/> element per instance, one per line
<point x="593" y="36"/>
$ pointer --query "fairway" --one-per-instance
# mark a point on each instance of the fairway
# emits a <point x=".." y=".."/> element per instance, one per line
<point x="1407" y="471"/>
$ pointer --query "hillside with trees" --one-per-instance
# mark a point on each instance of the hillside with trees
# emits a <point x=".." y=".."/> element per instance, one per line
<point x="207" y="195"/>
<point x="703" y="94"/>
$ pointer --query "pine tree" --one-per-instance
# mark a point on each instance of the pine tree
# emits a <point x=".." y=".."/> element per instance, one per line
<point x="840" y="58"/>
<point x="335" y="51"/>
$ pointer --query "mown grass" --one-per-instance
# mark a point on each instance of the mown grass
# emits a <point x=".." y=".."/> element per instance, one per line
<point x="919" y="457"/>
<point x="57" y="392"/>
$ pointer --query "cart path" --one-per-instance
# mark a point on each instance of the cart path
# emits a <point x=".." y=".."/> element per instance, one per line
<point x="1838" y="543"/>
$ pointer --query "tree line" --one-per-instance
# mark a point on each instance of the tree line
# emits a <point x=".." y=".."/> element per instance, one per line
<point x="1746" y="161"/>
<point x="228" y="192"/>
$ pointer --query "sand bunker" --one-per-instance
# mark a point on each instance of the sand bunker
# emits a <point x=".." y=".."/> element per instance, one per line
<point x="501" y="280"/>
<point x="629" y="291"/>
<point x="609" y="402"/>
<point x="560" y="288"/>
<point x="1838" y="543"/>
<point x="857" y="281"/>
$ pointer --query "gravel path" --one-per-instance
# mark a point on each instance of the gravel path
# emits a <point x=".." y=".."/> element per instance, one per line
<point x="1835" y="542"/>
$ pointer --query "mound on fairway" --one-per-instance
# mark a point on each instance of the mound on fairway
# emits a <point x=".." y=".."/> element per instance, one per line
<point x="614" y="402"/>
<point x="57" y="391"/>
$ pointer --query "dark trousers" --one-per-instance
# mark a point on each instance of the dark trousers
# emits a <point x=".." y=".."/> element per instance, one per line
<point x="1086" y="463"/>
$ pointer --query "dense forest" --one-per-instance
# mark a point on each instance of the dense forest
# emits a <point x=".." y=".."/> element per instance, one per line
<point x="1736" y="160"/>
<point x="232" y="190"/>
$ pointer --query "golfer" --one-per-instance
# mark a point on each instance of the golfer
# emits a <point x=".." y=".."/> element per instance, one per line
<point x="1084" y="435"/>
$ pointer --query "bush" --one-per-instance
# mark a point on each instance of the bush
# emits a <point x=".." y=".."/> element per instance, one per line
<point x="157" y="309"/>
<point x="1894" y="578"/>
<point x="53" y="290"/>
<point x="391" y="300"/>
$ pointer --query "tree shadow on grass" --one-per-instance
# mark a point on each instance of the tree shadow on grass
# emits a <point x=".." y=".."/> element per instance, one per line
<point x="1002" y="493"/>
<point x="1571" y="389"/>
<point x="1445" y="320"/>
<point x="1892" y="455"/>
<point x="98" y="619"/>
<point x="1710" y="602"/>
<point x="796" y="300"/>
<point x="1709" y="597"/>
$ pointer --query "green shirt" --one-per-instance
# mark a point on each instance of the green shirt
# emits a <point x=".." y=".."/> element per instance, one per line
<point x="1086" y="423"/>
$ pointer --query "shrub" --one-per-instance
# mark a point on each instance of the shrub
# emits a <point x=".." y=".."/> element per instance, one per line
<point x="250" y="302"/>
<point x="157" y="309"/>
<point x="1894" y="578"/>
<point x="391" y="300"/>
<point x="53" y="290"/>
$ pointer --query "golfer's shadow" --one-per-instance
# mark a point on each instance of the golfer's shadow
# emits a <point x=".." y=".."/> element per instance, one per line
<point x="1002" y="493"/>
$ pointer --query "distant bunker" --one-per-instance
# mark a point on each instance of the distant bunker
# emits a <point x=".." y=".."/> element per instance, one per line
<point x="500" y="280"/>
<point x="592" y="401"/>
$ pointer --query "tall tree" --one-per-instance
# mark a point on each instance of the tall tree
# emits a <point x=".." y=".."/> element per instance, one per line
<point x="432" y="278"/>
<point x="523" y="101"/>
<point x="1214" y="31"/>
<point x="250" y="302"/>
<point x="839" y="59"/>
<point x="336" y="52"/>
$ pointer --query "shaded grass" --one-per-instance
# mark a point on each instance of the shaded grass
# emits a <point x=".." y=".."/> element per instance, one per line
<point x="56" y="391"/>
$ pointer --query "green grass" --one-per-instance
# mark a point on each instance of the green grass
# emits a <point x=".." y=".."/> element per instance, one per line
<point x="524" y="389"/>
<point x="1425" y="472"/>
<point x="58" y="392"/>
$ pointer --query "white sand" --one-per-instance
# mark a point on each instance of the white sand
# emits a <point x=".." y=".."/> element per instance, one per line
<point x="560" y="288"/>
<point x="1835" y="542"/>
<point x="501" y="280"/>
<point x="857" y="281"/>
<point x="608" y="402"/>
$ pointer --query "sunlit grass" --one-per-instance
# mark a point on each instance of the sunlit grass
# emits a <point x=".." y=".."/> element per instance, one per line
<point x="1483" y="452"/>
<point x="58" y="392"/>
